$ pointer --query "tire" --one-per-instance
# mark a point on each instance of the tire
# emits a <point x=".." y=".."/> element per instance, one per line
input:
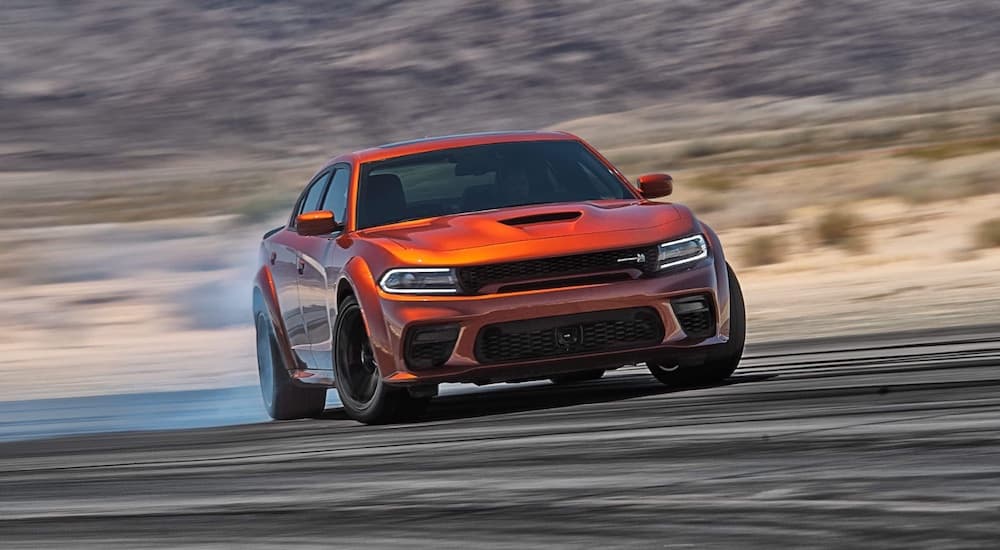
<point x="722" y="360"/>
<point x="365" y="395"/>
<point x="576" y="377"/>
<point x="282" y="398"/>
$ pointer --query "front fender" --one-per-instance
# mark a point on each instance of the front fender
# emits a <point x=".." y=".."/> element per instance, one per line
<point x="358" y="275"/>
<point x="721" y="276"/>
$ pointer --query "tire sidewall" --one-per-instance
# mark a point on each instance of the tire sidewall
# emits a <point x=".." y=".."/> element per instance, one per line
<point x="361" y="410"/>
<point x="270" y="398"/>
<point x="733" y="348"/>
<point x="719" y="363"/>
<point x="286" y="400"/>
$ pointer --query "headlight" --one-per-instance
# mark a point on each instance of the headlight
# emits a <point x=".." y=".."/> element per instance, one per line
<point x="682" y="251"/>
<point x="420" y="280"/>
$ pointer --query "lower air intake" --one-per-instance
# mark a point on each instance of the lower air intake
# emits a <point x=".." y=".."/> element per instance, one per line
<point x="694" y="313"/>
<point x="430" y="346"/>
<point x="618" y="329"/>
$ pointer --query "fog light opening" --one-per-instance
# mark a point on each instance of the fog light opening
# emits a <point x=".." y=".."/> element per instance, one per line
<point x="430" y="346"/>
<point x="695" y="316"/>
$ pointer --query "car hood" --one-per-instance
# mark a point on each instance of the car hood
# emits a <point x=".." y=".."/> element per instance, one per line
<point x="569" y="226"/>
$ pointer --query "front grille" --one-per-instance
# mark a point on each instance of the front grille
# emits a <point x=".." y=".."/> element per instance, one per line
<point x="474" y="278"/>
<point x="600" y="278"/>
<point x="569" y="334"/>
<point x="694" y="313"/>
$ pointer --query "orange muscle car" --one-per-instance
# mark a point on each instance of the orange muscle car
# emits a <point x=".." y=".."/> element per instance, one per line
<point x="482" y="258"/>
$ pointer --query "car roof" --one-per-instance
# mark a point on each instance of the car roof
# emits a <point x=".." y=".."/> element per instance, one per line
<point x="427" y="144"/>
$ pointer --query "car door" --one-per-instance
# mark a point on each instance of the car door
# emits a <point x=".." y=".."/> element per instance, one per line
<point x="322" y="260"/>
<point x="290" y="265"/>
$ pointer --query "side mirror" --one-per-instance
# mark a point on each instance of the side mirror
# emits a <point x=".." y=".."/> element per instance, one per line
<point x="317" y="222"/>
<point x="653" y="186"/>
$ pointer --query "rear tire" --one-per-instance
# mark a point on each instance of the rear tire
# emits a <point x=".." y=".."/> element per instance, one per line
<point x="722" y="360"/>
<point x="577" y="377"/>
<point x="283" y="400"/>
<point x="365" y="395"/>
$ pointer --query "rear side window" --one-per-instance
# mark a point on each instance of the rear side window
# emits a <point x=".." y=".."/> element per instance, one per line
<point x="336" y="197"/>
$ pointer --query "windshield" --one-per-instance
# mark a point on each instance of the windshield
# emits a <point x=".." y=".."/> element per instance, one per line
<point x="482" y="177"/>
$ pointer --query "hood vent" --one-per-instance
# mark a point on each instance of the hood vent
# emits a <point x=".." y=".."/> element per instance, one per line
<point x="540" y="218"/>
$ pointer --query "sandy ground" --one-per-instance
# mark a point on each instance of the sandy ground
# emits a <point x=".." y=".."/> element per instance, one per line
<point x="920" y="271"/>
<point x="121" y="308"/>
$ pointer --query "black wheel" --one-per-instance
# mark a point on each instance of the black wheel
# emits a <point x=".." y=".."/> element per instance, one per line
<point x="575" y="377"/>
<point x="720" y="361"/>
<point x="282" y="398"/>
<point x="365" y="396"/>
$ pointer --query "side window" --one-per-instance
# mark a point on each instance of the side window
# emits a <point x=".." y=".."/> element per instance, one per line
<point x="336" y="197"/>
<point x="315" y="194"/>
<point x="310" y="197"/>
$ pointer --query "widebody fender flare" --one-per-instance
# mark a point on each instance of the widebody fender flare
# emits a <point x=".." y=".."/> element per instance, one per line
<point x="721" y="276"/>
<point x="265" y="296"/>
<point x="358" y="276"/>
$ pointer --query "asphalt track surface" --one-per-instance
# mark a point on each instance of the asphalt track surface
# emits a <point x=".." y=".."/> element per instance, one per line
<point x="887" y="442"/>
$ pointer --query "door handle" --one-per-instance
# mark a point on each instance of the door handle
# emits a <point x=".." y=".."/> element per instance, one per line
<point x="302" y="267"/>
<point x="274" y="257"/>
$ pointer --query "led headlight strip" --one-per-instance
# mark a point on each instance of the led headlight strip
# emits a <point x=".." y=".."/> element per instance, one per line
<point x="682" y="251"/>
<point x="420" y="280"/>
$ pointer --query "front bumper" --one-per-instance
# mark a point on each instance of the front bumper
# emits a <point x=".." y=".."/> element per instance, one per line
<point x="472" y="313"/>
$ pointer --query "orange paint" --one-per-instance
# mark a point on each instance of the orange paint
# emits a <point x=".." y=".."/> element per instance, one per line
<point x="354" y="261"/>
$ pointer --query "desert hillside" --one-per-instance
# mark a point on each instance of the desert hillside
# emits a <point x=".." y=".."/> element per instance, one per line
<point x="96" y="83"/>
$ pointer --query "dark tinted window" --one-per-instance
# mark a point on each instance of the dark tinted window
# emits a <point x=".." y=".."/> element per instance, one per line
<point x="315" y="194"/>
<point x="336" y="196"/>
<point x="482" y="177"/>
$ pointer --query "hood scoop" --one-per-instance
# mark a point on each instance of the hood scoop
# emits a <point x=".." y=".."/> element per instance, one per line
<point x="541" y="218"/>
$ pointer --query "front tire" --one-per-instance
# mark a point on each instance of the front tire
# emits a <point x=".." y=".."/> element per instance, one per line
<point x="365" y="395"/>
<point x="283" y="400"/>
<point x="722" y="360"/>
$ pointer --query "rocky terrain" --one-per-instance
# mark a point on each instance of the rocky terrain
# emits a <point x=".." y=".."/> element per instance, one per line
<point x="103" y="83"/>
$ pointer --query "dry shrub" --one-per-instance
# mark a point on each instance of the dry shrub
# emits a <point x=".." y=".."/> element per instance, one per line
<point x="841" y="227"/>
<point x="263" y="207"/>
<point x="942" y="151"/>
<point x="988" y="233"/>
<point x="926" y="183"/>
<point x="782" y="139"/>
<point x="706" y="148"/>
<point x="877" y="133"/>
<point x="763" y="215"/>
<point x="763" y="250"/>
<point x="704" y="204"/>
<point x="716" y="183"/>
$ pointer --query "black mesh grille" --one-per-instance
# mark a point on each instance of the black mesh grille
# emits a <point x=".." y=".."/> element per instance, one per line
<point x="429" y="355"/>
<point x="569" y="334"/>
<point x="427" y="352"/>
<point x="697" y="325"/>
<point x="695" y="316"/>
<point x="474" y="278"/>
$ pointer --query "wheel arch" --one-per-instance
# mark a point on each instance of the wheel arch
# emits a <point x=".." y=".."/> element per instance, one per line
<point x="358" y="281"/>
<point x="265" y="298"/>
<point x="722" y="269"/>
<point x="344" y="289"/>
